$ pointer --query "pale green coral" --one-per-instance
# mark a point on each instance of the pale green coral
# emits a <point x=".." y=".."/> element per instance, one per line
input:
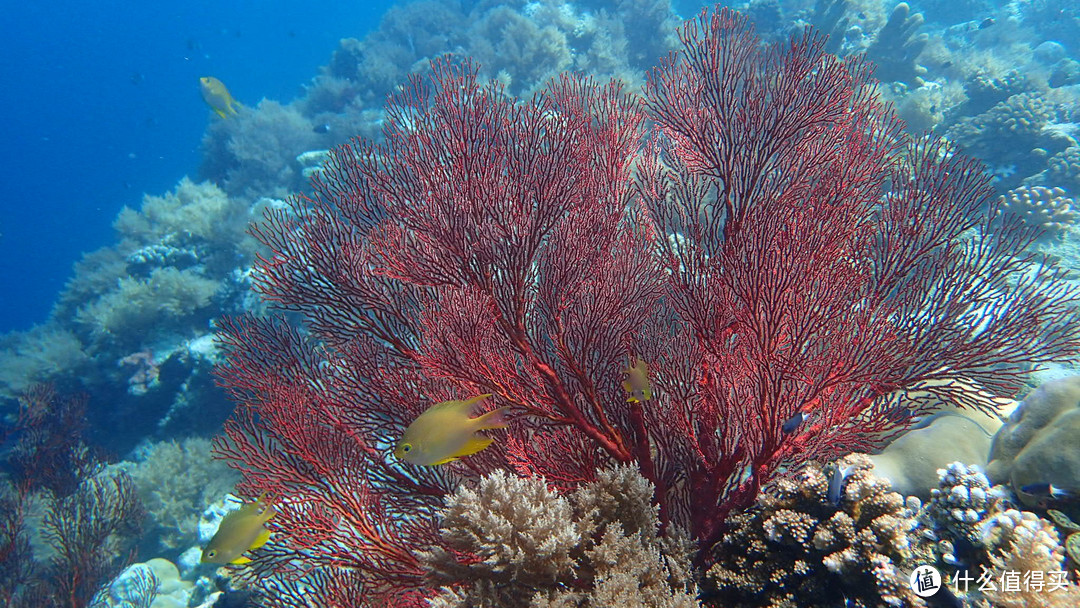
<point x="524" y="53"/>
<point x="176" y="482"/>
<point x="37" y="355"/>
<point x="137" y="305"/>
<point x="254" y="153"/>
<point x="199" y="209"/>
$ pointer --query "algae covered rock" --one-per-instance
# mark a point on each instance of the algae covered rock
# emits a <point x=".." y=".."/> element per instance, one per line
<point x="1040" y="443"/>
<point x="911" y="462"/>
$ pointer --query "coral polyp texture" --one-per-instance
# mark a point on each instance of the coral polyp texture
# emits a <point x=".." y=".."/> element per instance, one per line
<point x="798" y="548"/>
<point x="1048" y="208"/>
<point x="779" y="254"/>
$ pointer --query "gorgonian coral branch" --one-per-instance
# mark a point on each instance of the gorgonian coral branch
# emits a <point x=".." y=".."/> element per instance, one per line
<point x="785" y="260"/>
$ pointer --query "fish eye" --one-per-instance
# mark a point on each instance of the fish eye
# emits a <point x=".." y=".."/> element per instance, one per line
<point x="407" y="447"/>
<point x="211" y="553"/>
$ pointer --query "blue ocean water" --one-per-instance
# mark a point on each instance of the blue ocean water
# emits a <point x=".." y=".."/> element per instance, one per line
<point x="101" y="104"/>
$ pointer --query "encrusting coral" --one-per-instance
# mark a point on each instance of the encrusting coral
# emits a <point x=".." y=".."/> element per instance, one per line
<point x="1064" y="168"/>
<point x="521" y="543"/>
<point x="1048" y="208"/>
<point x="1040" y="442"/>
<point x="797" y="548"/>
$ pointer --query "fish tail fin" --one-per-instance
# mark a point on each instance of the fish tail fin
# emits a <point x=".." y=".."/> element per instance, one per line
<point x="495" y="419"/>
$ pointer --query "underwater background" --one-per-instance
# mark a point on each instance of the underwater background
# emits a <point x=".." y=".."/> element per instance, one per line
<point x="105" y="91"/>
<point x="138" y="314"/>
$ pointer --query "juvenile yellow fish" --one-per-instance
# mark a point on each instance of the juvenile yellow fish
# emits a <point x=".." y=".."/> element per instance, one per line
<point x="637" y="381"/>
<point x="240" y="531"/>
<point x="217" y="96"/>
<point x="446" y="432"/>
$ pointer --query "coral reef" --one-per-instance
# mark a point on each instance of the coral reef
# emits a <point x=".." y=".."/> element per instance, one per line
<point x="1047" y="208"/>
<point x="445" y="262"/>
<point x="897" y="48"/>
<point x="137" y="307"/>
<point x="797" y="548"/>
<point x="176" y="481"/>
<point x="38" y="355"/>
<point x="254" y="153"/>
<point x="530" y="546"/>
<point x="124" y="325"/>
<point x="1012" y="127"/>
<point x="1064" y="168"/>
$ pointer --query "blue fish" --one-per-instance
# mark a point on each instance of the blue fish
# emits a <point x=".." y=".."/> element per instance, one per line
<point x="836" y="483"/>
<point x="791" y="424"/>
<point x="1047" y="489"/>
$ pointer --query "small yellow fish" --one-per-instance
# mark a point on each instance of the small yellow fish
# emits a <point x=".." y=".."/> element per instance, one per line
<point x="217" y="96"/>
<point x="445" y="432"/>
<point x="637" y="381"/>
<point x="240" y="531"/>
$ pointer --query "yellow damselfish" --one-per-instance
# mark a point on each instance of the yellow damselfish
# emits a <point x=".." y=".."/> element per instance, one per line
<point x="217" y="96"/>
<point x="637" y="381"/>
<point x="446" y="431"/>
<point x="240" y="531"/>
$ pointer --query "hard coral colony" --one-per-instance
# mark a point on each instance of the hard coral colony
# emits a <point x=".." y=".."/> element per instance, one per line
<point x="779" y="246"/>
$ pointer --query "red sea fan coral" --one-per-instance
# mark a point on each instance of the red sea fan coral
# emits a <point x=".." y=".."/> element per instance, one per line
<point x="785" y="254"/>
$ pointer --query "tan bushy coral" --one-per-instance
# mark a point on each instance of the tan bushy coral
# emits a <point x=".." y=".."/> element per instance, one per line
<point x="1034" y="552"/>
<point x="166" y="297"/>
<point x="523" y="52"/>
<point x="523" y="544"/>
<point x="796" y="548"/>
<point x="254" y="153"/>
<point x="1047" y="208"/>
<point x="36" y="355"/>
<point x="199" y="209"/>
<point x="176" y="481"/>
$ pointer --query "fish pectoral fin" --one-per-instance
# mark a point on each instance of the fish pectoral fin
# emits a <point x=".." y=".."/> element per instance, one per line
<point x="474" y="445"/>
<point x="221" y="113"/>
<point x="241" y="560"/>
<point x="260" y="540"/>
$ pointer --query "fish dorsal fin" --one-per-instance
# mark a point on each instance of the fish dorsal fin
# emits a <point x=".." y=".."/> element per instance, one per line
<point x="465" y="407"/>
